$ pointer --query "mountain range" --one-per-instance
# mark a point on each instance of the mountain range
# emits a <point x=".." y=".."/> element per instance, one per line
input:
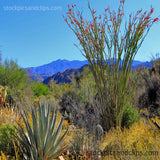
<point x="42" y="72"/>
<point x="63" y="70"/>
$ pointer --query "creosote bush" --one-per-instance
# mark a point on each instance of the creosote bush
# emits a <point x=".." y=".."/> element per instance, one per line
<point x="130" y="116"/>
<point x="7" y="135"/>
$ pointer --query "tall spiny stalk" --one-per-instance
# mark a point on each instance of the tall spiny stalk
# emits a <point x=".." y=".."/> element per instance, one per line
<point x="110" y="53"/>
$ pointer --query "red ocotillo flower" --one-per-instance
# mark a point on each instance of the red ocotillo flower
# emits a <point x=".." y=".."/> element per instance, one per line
<point x="139" y="11"/>
<point x="79" y="35"/>
<point x="122" y="1"/>
<point x="93" y="12"/>
<point x="86" y="29"/>
<point x="107" y="9"/>
<point x="69" y="16"/>
<point x="156" y="19"/>
<point x="95" y="18"/>
<point x="29" y="70"/>
<point x="152" y="10"/>
<point x="121" y="14"/>
<point x="69" y="12"/>
<point x="93" y="43"/>
<point x="148" y="17"/>
<point x="91" y="26"/>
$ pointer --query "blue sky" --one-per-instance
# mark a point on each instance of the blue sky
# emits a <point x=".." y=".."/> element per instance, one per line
<point x="35" y="37"/>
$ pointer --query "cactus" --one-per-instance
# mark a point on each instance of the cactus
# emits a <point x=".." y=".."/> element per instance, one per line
<point x="3" y="94"/>
<point x="42" y="140"/>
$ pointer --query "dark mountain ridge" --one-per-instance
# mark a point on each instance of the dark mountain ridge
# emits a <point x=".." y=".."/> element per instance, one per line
<point x="66" y="76"/>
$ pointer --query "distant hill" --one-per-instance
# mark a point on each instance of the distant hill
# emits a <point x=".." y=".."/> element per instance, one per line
<point x="42" y="72"/>
<point x="66" y="76"/>
<point x="56" y="66"/>
<point x="141" y="64"/>
<point x="61" y="70"/>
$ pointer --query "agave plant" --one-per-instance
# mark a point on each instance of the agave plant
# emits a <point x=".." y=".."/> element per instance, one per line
<point x="41" y="140"/>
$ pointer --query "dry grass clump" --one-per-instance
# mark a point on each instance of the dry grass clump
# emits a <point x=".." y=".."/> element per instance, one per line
<point x="8" y="115"/>
<point x="140" y="141"/>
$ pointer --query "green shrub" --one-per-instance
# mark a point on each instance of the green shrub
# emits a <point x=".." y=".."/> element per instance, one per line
<point x="7" y="134"/>
<point x="12" y="75"/>
<point x="130" y="116"/>
<point x="39" y="89"/>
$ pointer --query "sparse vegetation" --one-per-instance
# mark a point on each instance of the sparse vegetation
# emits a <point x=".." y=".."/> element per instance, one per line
<point x="109" y="111"/>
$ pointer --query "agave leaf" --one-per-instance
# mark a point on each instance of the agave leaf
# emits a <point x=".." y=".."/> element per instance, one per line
<point x="57" y="132"/>
<point x="28" y="127"/>
<point x="35" y="126"/>
<point x="41" y="141"/>
<point x="61" y="140"/>
<point x="40" y="129"/>
<point x="47" y="118"/>
<point x="49" y="140"/>
<point x="59" y="152"/>
<point x="58" y="149"/>
<point x="22" y="133"/>
<point x="55" y="136"/>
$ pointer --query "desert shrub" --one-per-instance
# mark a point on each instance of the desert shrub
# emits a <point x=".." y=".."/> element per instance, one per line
<point x="39" y="89"/>
<point x="150" y="97"/>
<point x="130" y="116"/>
<point x="7" y="135"/>
<point x="58" y="89"/>
<point x="141" y="138"/>
<point x="72" y="108"/>
<point x="87" y="90"/>
<point x="80" y="112"/>
<point x="81" y="144"/>
<point x="9" y="115"/>
<point x="12" y="75"/>
<point x="16" y="80"/>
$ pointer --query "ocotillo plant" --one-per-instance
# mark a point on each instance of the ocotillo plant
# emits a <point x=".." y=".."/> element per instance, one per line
<point x="110" y="52"/>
